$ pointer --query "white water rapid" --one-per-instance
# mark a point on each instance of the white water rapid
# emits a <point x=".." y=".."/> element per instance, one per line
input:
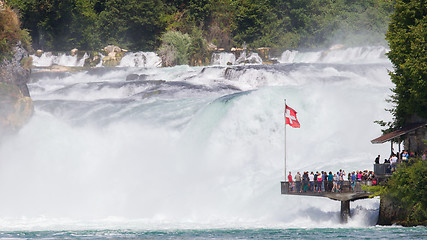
<point x="193" y="147"/>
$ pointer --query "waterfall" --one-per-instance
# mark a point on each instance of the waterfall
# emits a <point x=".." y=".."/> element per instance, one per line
<point x="223" y="58"/>
<point x="141" y="59"/>
<point x="356" y="55"/>
<point x="48" y="59"/>
<point x="131" y="59"/>
<point x="193" y="146"/>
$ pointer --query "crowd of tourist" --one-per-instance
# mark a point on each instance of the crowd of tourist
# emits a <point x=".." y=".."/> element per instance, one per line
<point x="328" y="182"/>
<point x="397" y="158"/>
<point x="337" y="182"/>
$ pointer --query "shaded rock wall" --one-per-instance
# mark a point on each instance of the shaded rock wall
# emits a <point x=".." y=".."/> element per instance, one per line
<point x="16" y="106"/>
<point x="390" y="212"/>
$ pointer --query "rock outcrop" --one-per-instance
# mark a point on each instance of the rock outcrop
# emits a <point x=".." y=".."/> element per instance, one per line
<point x="114" y="56"/>
<point x="390" y="212"/>
<point x="16" y="106"/>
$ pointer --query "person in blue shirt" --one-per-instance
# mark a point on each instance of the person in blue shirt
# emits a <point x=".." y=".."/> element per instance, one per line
<point x="330" y="179"/>
<point x="353" y="180"/>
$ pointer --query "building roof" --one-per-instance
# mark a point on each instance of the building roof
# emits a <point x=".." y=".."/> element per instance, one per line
<point x="402" y="131"/>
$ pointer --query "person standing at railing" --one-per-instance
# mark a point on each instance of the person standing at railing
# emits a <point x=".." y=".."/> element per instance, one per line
<point x="305" y="181"/>
<point x="393" y="162"/>
<point x="319" y="182"/>
<point x="324" y="181"/>
<point x="330" y="179"/>
<point x="405" y="156"/>
<point x="291" y="182"/>
<point x="353" y="180"/>
<point x="298" y="182"/>
<point x="359" y="176"/>
<point x="316" y="185"/>
<point x="311" y="178"/>
<point x="377" y="160"/>
<point x="349" y="180"/>
<point x="335" y="183"/>
<point x="342" y="176"/>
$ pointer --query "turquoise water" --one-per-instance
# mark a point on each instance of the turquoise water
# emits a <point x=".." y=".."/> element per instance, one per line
<point x="326" y="233"/>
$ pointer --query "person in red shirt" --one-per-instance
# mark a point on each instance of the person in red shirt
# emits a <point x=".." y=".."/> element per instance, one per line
<point x="291" y="182"/>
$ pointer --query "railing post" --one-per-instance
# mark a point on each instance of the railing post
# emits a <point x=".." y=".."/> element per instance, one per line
<point x="285" y="187"/>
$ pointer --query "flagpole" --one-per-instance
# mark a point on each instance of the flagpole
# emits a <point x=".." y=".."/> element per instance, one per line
<point x="285" y="141"/>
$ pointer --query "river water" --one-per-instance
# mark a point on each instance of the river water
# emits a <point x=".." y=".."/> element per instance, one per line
<point x="139" y="151"/>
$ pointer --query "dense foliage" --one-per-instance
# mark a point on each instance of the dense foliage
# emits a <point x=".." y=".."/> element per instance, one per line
<point x="174" y="49"/>
<point x="407" y="37"/>
<point x="407" y="188"/>
<point x="10" y="32"/>
<point x="139" y="25"/>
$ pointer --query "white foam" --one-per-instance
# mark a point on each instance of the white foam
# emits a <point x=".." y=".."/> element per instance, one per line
<point x="352" y="55"/>
<point x="141" y="59"/>
<point x="48" y="59"/>
<point x="223" y="59"/>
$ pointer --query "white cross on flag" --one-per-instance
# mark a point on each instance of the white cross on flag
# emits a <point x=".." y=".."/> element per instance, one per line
<point x="291" y="117"/>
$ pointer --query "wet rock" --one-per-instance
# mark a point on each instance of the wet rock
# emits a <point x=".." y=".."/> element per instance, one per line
<point x="16" y="70"/>
<point x="132" y="77"/>
<point x="39" y="53"/>
<point x="15" y="108"/>
<point x="93" y="60"/>
<point x="74" y="51"/>
<point x="114" y="56"/>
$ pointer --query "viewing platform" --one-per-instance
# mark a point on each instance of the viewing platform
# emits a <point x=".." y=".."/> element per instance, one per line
<point x="345" y="195"/>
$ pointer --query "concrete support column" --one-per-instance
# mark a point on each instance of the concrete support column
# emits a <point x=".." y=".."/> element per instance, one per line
<point x="345" y="211"/>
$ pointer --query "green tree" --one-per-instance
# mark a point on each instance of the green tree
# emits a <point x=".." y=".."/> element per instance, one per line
<point x="252" y="22"/>
<point x="198" y="49"/>
<point x="132" y="24"/>
<point x="84" y="32"/>
<point x="407" y="35"/>
<point x="219" y="26"/>
<point x="174" y="48"/>
<point x="48" y="21"/>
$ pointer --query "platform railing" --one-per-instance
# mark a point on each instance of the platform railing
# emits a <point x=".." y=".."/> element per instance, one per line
<point x="382" y="169"/>
<point x="343" y="187"/>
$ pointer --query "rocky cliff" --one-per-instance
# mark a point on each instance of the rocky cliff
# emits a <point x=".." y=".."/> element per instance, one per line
<point x="390" y="212"/>
<point x="16" y="106"/>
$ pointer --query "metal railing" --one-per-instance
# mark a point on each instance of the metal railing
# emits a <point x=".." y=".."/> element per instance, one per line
<point x="382" y="169"/>
<point x="325" y="186"/>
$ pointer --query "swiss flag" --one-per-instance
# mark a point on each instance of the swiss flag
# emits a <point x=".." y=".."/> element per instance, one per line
<point x="291" y="117"/>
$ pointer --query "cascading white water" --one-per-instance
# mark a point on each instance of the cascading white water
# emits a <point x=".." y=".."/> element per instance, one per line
<point x="190" y="146"/>
<point x="354" y="55"/>
<point x="223" y="58"/>
<point x="131" y="59"/>
<point x="141" y="59"/>
<point x="252" y="58"/>
<point x="48" y="59"/>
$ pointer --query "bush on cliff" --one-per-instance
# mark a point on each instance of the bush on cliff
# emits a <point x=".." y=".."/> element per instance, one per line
<point x="174" y="49"/>
<point x="10" y="32"/>
<point x="406" y="188"/>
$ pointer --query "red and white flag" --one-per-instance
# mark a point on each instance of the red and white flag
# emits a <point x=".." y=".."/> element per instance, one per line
<point x="291" y="117"/>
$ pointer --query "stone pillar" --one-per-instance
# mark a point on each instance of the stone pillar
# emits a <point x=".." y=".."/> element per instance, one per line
<point x="345" y="211"/>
